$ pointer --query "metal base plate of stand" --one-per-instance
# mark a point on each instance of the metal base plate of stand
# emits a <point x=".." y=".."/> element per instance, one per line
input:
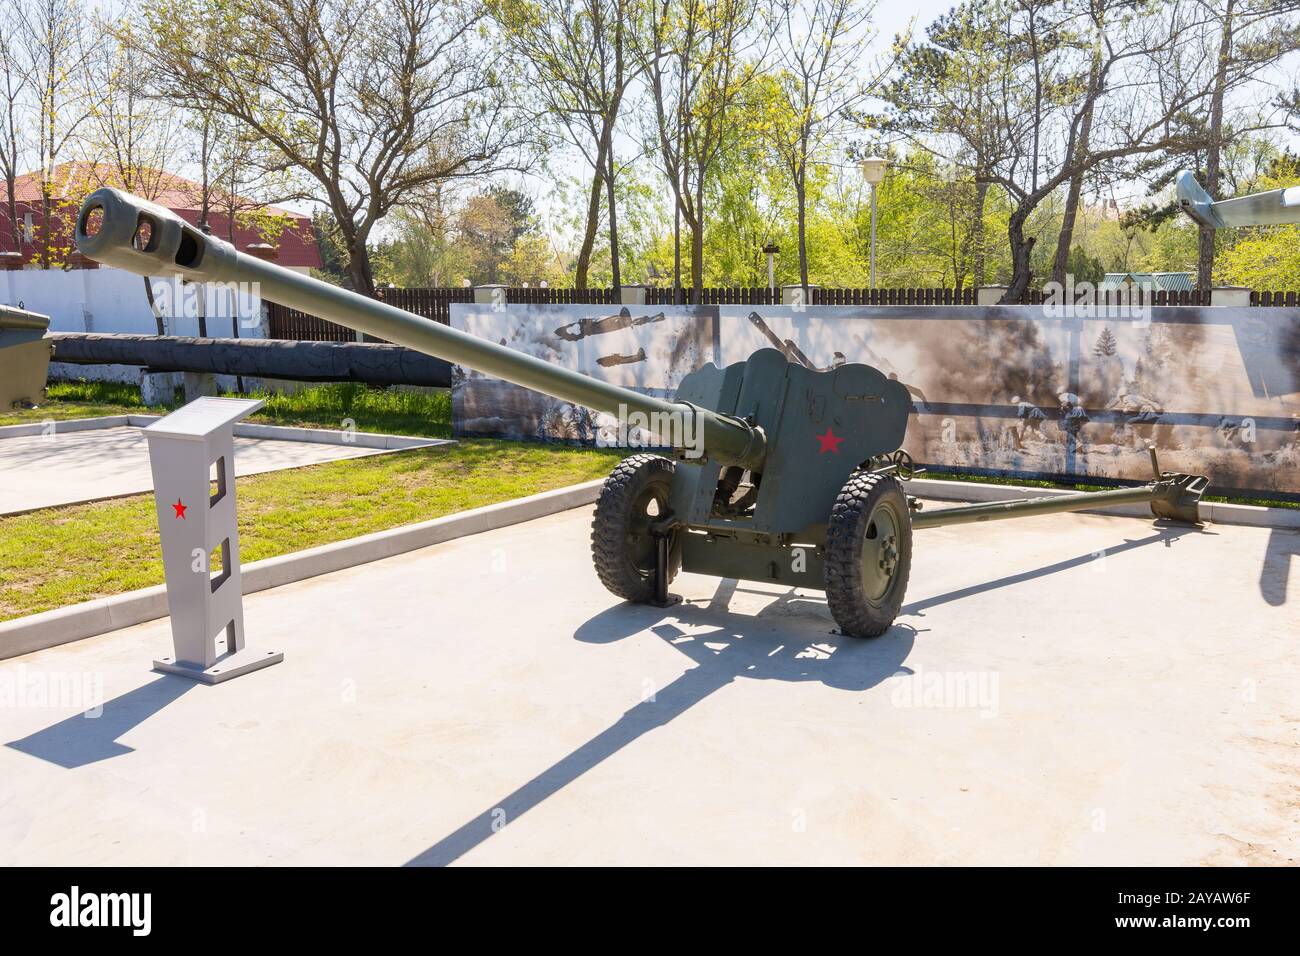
<point x="233" y="665"/>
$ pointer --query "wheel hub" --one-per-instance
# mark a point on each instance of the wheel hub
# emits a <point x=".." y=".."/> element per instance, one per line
<point x="880" y="553"/>
<point x="889" y="555"/>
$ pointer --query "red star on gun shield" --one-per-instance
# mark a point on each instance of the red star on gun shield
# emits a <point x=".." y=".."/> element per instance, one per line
<point x="829" y="442"/>
<point x="180" y="509"/>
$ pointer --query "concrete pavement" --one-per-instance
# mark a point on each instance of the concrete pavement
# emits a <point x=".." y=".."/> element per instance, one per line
<point x="1059" y="690"/>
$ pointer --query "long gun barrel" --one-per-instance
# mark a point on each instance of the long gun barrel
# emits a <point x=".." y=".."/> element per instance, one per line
<point x="133" y="234"/>
<point x="810" y="491"/>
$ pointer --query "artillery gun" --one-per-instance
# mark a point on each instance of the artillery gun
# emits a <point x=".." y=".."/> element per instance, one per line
<point x="780" y="473"/>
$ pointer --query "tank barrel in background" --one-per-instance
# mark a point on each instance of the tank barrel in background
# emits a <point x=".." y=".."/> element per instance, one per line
<point x="126" y="232"/>
<point x="1276" y="207"/>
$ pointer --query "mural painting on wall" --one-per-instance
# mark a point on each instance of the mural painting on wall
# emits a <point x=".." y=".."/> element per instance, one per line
<point x="1017" y="391"/>
<point x="646" y="348"/>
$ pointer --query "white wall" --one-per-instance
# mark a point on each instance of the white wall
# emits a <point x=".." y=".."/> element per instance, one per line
<point x="110" y="300"/>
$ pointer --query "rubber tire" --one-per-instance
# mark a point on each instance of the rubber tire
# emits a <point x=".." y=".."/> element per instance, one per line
<point x="851" y="607"/>
<point x="611" y="553"/>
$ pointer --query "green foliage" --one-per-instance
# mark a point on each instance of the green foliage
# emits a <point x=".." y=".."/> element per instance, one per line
<point x="327" y="244"/>
<point x="492" y="237"/>
<point x="1267" y="260"/>
<point x="532" y="261"/>
<point x="1172" y="248"/>
<point x="418" y="256"/>
<point x="1085" y="267"/>
<point x="1265" y="257"/>
<point x="489" y="226"/>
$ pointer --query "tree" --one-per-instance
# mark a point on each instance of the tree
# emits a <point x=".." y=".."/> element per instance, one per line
<point x="1251" y="36"/>
<point x="577" y="56"/>
<point x="129" y="135"/>
<point x="327" y="244"/>
<point x="532" y="261"/>
<point x="239" y="177"/>
<point x="694" y="54"/>
<point x="490" y="225"/>
<point x="822" y="81"/>
<point x="414" y="256"/>
<point x="1094" y="32"/>
<point x="944" y="99"/>
<point x="1051" y="70"/>
<point x="372" y="101"/>
<point x="1105" y="344"/>
<point x="748" y="193"/>
<point x="52" y="40"/>
<point x="1085" y="267"/>
<point x="13" y="84"/>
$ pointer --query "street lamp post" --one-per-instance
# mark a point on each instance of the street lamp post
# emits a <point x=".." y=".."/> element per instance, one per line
<point x="873" y="171"/>
<point x="770" y="250"/>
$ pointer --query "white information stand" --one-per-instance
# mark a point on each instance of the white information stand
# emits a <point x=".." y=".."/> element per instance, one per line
<point x="192" y="454"/>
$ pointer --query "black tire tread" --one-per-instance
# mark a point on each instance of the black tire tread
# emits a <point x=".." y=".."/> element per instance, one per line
<point x="844" y="537"/>
<point x="609" y="526"/>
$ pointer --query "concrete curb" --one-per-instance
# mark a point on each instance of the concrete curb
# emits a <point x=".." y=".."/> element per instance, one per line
<point x="322" y="436"/>
<point x="327" y="436"/>
<point x="1211" y="511"/>
<point x="67" y="425"/>
<point x="73" y="623"/>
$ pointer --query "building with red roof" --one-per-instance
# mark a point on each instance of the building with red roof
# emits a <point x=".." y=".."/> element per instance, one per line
<point x="69" y="183"/>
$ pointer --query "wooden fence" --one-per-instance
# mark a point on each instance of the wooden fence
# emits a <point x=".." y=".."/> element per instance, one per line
<point x="436" y="303"/>
<point x="286" y="323"/>
<point x="433" y="304"/>
<point x="1288" y="300"/>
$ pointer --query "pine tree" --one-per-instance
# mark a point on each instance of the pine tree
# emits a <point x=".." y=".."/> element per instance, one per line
<point x="1106" y="344"/>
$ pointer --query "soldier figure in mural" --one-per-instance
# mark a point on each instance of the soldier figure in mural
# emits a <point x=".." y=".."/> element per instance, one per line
<point x="1228" y="428"/>
<point x="564" y="421"/>
<point x="1073" y="416"/>
<point x="1029" y="422"/>
<point x="1140" y="415"/>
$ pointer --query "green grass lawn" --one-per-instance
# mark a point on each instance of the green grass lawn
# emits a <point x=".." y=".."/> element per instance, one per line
<point x="424" y="413"/>
<point x="60" y="556"/>
<point x="81" y="400"/>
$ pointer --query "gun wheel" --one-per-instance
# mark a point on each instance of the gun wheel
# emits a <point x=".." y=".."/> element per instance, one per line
<point x="868" y="554"/>
<point x="634" y="496"/>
